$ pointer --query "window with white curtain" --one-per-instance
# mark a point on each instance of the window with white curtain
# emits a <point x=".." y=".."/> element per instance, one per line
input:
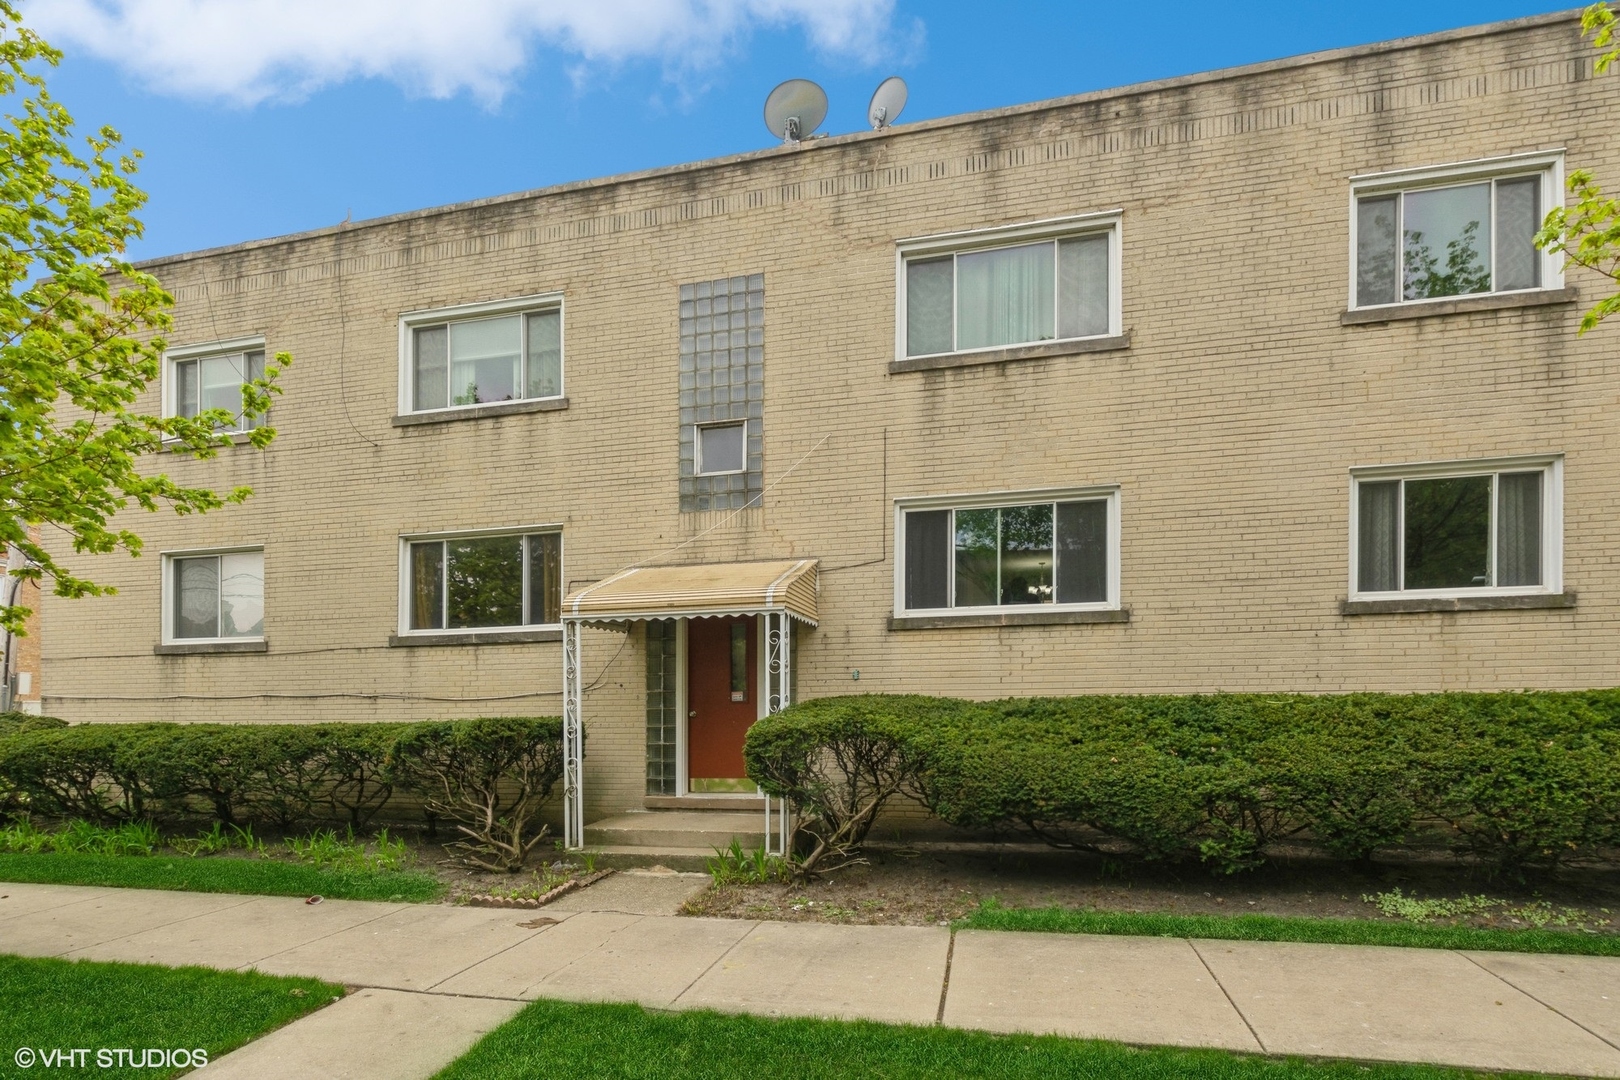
<point x="1040" y="549"/>
<point x="482" y="354"/>
<point x="1050" y="281"/>
<point x="214" y="596"/>
<point x="1457" y="528"/>
<point x="1457" y="230"/>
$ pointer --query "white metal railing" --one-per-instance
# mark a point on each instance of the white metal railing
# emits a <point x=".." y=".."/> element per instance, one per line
<point x="778" y="694"/>
<point x="573" y="740"/>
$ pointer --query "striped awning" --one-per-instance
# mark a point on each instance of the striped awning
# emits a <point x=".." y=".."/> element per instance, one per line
<point x="705" y="590"/>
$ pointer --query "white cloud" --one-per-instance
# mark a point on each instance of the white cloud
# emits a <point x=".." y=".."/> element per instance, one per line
<point x="248" y="51"/>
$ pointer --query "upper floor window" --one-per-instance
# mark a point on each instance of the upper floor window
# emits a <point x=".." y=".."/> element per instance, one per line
<point x="483" y="581"/>
<point x="1009" y="552"/>
<point x="204" y="377"/>
<point x="997" y="288"/>
<point x="214" y="596"/>
<point x="479" y="354"/>
<point x="1457" y="528"/>
<point x="1455" y="230"/>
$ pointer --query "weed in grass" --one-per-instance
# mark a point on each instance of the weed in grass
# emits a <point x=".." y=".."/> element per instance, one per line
<point x="1412" y="909"/>
<point x="212" y="842"/>
<point x="81" y="838"/>
<point x="325" y="849"/>
<point x="24" y="838"/>
<point x="736" y="866"/>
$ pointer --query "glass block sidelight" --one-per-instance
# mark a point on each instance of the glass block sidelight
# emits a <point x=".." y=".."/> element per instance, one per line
<point x="662" y="706"/>
<point x="722" y="377"/>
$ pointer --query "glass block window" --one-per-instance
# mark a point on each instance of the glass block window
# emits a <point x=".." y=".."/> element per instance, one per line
<point x="722" y="378"/>
<point x="662" y="706"/>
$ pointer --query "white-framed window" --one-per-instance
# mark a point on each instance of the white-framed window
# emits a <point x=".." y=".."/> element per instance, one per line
<point x="481" y="354"/>
<point x="215" y="595"/>
<point x="1457" y="528"/>
<point x="1453" y="230"/>
<point x="1020" y="285"/>
<point x="210" y="376"/>
<point x="1009" y="551"/>
<point x="722" y="448"/>
<point x="501" y="579"/>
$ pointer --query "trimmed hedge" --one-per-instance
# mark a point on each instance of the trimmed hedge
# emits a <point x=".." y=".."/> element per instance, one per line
<point x="1523" y="781"/>
<point x="289" y="774"/>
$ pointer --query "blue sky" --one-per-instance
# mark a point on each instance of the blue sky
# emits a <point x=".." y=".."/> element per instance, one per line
<point x="461" y="100"/>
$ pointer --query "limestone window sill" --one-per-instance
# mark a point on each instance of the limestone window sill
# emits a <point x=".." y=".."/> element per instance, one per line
<point x="1045" y="350"/>
<point x="495" y="637"/>
<point x="1008" y="618"/>
<point x="480" y="412"/>
<point x="238" y="438"/>
<point x="1414" y="604"/>
<point x="1423" y="309"/>
<point x="192" y="648"/>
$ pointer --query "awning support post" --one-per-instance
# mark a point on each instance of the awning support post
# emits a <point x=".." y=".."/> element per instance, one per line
<point x="573" y="741"/>
<point x="778" y="692"/>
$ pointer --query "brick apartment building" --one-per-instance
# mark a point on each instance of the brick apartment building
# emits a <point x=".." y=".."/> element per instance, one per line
<point x="1249" y="380"/>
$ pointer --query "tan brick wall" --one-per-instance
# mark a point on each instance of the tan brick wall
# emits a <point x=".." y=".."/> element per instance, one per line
<point x="1229" y="424"/>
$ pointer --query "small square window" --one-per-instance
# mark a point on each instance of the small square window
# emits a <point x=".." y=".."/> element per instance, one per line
<point x="199" y="383"/>
<point x="722" y="448"/>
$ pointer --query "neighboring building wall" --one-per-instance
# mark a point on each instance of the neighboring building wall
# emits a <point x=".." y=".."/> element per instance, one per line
<point x="1229" y="424"/>
<point x="26" y="682"/>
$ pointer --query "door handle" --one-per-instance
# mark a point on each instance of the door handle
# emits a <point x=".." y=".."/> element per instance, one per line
<point x="692" y="713"/>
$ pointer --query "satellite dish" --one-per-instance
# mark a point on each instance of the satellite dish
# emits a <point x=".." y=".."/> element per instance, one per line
<point x="887" y="101"/>
<point x="795" y="109"/>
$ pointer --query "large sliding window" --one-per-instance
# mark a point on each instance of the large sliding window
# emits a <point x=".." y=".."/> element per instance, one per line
<point x="214" y="596"/>
<point x="1458" y="529"/>
<point x="482" y="354"/>
<point x="1453" y="231"/>
<point x="1005" y="287"/>
<point x="978" y="554"/>
<point x="483" y="582"/>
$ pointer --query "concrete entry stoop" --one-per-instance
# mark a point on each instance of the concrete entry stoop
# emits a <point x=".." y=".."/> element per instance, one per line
<point x="685" y="837"/>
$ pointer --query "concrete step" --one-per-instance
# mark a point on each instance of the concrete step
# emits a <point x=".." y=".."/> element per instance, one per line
<point x="678" y="830"/>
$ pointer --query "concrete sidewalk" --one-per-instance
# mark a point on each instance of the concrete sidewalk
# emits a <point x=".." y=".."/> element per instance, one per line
<point x="436" y="978"/>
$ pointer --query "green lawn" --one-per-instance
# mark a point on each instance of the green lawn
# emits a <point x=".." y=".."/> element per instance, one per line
<point x="991" y="916"/>
<point x="54" y="1005"/>
<point x="554" y="1039"/>
<point x="268" y="877"/>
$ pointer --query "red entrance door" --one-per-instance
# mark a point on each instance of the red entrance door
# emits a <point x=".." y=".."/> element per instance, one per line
<point x="721" y="699"/>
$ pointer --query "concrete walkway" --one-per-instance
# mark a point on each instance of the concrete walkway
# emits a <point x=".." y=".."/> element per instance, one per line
<point x="435" y="978"/>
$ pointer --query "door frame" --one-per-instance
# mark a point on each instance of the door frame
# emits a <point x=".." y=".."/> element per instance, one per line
<point x="683" y="710"/>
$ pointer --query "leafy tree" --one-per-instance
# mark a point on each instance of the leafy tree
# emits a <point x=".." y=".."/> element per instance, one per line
<point x="1588" y="233"/>
<point x="80" y="339"/>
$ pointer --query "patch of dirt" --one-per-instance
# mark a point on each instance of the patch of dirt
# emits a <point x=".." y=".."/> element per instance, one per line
<point x="919" y="888"/>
